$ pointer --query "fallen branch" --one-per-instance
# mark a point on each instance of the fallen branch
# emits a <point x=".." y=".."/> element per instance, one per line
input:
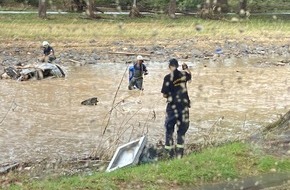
<point x="129" y="53"/>
<point x="114" y="100"/>
<point x="10" y="108"/>
<point x="282" y="123"/>
<point x="74" y="61"/>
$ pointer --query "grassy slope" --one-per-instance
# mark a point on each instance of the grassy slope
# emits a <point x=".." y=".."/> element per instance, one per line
<point x="71" y="28"/>
<point x="214" y="164"/>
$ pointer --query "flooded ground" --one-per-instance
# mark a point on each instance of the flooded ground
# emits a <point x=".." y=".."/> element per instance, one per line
<point x="40" y="119"/>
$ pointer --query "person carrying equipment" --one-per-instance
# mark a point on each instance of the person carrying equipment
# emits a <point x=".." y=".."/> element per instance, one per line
<point x="136" y="73"/>
<point x="177" y="111"/>
<point x="48" y="53"/>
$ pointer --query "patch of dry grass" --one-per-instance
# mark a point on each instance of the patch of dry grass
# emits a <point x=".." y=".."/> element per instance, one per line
<point x="71" y="28"/>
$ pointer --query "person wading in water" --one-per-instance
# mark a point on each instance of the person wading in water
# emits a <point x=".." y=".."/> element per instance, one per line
<point x="136" y="73"/>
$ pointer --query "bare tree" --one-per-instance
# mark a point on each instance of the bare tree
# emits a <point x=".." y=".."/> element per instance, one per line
<point x="172" y="9"/>
<point x="134" y="10"/>
<point x="243" y="8"/>
<point x="79" y="5"/>
<point x="243" y="5"/>
<point x="91" y="9"/>
<point x="42" y="8"/>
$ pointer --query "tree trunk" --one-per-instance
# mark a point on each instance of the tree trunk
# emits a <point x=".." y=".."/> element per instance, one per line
<point x="134" y="10"/>
<point x="42" y="7"/>
<point x="243" y="5"/>
<point x="79" y="4"/>
<point x="172" y="9"/>
<point x="90" y="9"/>
<point x="243" y="8"/>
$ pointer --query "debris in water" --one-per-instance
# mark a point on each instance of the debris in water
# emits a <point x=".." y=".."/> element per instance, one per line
<point x="90" y="102"/>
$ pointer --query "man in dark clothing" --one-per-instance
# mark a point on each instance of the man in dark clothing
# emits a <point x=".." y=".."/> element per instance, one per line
<point x="136" y="74"/>
<point x="48" y="53"/>
<point x="177" y="111"/>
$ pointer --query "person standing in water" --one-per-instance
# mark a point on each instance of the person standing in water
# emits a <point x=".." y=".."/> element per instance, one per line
<point x="136" y="73"/>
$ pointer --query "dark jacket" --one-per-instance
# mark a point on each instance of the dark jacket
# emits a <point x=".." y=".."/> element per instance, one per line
<point x="174" y="86"/>
<point x="139" y="70"/>
<point x="48" y="50"/>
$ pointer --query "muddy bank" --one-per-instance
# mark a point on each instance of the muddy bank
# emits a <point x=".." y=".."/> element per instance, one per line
<point x="188" y="50"/>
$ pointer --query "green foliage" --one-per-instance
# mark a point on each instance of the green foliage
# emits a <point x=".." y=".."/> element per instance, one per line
<point x="27" y="2"/>
<point x="270" y="163"/>
<point x="189" y="5"/>
<point x="211" y="165"/>
<point x="160" y="5"/>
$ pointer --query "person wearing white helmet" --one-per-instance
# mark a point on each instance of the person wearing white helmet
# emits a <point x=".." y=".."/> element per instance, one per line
<point x="48" y="53"/>
<point x="136" y="73"/>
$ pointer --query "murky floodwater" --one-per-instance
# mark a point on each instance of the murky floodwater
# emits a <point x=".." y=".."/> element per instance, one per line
<point x="45" y="118"/>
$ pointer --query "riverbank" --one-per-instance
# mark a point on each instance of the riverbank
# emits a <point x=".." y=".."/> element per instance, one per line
<point x="82" y="41"/>
<point x="229" y="162"/>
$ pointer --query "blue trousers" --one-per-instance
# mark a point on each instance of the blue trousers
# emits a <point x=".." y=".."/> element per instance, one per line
<point x="179" y="116"/>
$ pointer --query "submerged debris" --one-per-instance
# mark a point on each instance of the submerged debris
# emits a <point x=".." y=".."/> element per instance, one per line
<point x="90" y="102"/>
<point x="39" y="71"/>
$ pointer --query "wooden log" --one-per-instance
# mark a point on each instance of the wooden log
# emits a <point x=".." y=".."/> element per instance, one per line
<point x="74" y="61"/>
<point x="129" y="53"/>
<point x="282" y="124"/>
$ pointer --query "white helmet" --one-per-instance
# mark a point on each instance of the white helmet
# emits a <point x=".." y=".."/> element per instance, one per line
<point x="45" y="43"/>
<point x="140" y="58"/>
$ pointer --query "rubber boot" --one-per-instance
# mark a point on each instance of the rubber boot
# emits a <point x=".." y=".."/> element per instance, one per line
<point x="171" y="153"/>
<point x="179" y="152"/>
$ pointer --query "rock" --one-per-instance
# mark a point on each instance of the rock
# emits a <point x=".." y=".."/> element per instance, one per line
<point x="280" y="64"/>
<point x="273" y="170"/>
<point x="285" y="61"/>
<point x="91" y="62"/>
<point x="235" y="19"/>
<point x="197" y="53"/>
<point x="91" y="101"/>
<point x="92" y="41"/>
<point x="198" y="28"/>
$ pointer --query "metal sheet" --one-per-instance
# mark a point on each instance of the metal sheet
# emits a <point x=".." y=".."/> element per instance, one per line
<point x="127" y="154"/>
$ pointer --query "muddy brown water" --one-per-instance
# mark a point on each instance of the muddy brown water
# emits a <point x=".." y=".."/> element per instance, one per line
<point x="41" y="119"/>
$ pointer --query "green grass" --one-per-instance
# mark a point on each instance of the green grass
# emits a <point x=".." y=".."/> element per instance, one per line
<point x="230" y="161"/>
<point x="73" y="28"/>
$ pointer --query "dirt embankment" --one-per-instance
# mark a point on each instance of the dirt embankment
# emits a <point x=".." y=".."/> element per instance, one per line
<point x="188" y="50"/>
